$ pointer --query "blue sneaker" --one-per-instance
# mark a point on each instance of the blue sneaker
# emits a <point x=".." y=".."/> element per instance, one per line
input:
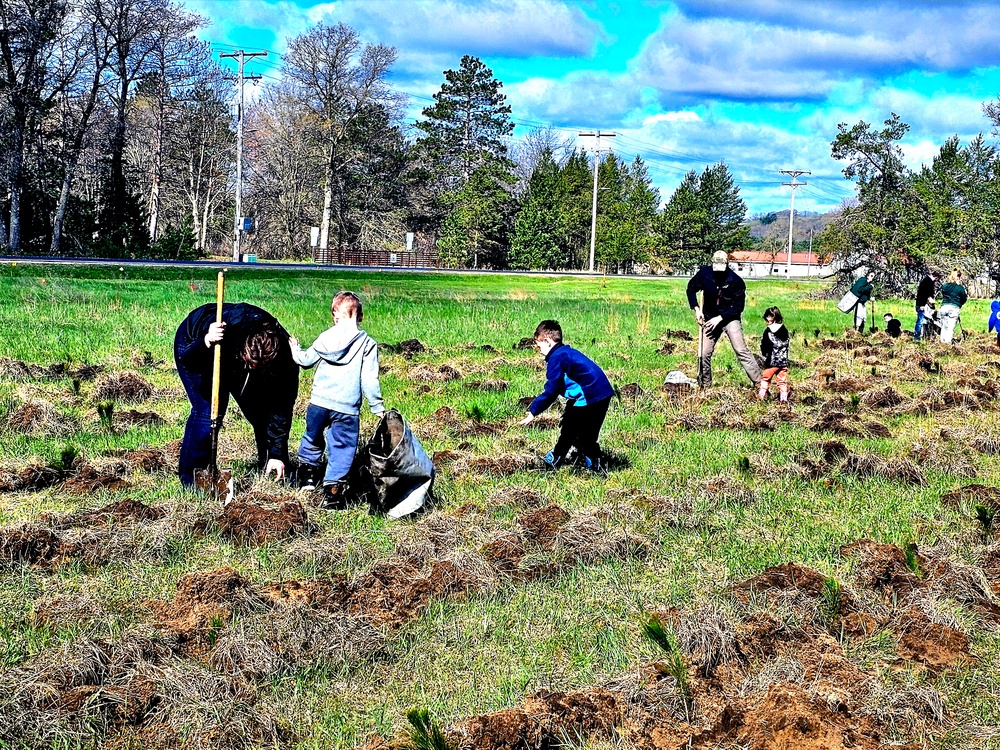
<point x="551" y="460"/>
<point x="588" y="463"/>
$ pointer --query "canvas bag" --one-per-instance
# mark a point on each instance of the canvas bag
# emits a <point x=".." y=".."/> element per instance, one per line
<point x="848" y="302"/>
<point x="401" y="472"/>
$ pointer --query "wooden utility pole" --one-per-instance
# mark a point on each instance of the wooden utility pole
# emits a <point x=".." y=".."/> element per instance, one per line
<point x="597" y="159"/>
<point x="241" y="57"/>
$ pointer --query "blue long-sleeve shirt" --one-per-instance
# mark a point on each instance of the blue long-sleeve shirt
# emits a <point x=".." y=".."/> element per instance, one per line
<point x="573" y="375"/>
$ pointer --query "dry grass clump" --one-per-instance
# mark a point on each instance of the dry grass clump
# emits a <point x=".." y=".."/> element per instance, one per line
<point x="127" y="385"/>
<point x="501" y="465"/>
<point x="584" y="538"/>
<point x="897" y="469"/>
<point x="38" y="418"/>
<point x="60" y="611"/>
<point x="934" y="455"/>
<point x="725" y="489"/>
<point x="882" y="398"/>
<point x="30" y="478"/>
<point x="424" y="373"/>
<point x="322" y="552"/>
<point x="519" y="497"/>
<point x="847" y="385"/>
<point x="708" y="635"/>
<point x="988" y="444"/>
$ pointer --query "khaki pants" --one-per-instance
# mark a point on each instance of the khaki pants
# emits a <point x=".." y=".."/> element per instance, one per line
<point x="948" y="317"/>
<point x="734" y="331"/>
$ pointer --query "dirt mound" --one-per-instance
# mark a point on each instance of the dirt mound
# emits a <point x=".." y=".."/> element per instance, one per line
<point x="133" y="418"/>
<point x="144" y="459"/>
<point x="546" y="720"/>
<point x="326" y="594"/>
<point x="394" y="593"/>
<point x="542" y="525"/>
<point x="89" y="479"/>
<point x="203" y="603"/>
<point x="785" y="577"/>
<point x="38" y="417"/>
<point x="682" y="335"/>
<point x="32" y="546"/>
<point x="254" y="522"/>
<point x="443" y="458"/>
<point x="849" y="425"/>
<point x="487" y="386"/>
<point x="897" y="469"/>
<point x="847" y="385"/>
<point x="526" y="343"/>
<point x="31" y="478"/>
<point x="935" y="646"/>
<point x="427" y="374"/>
<point x="505" y="552"/>
<point x="881" y="398"/>
<point x="13" y="369"/>
<point x="631" y="392"/>
<point x="979" y="494"/>
<point x="407" y="348"/>
<point x="122" y="511"/>
<point x="123" y="386"/>
<point x="523" y="497"/>
<point x="883" y="567"/>
<point x="666" y="348"/>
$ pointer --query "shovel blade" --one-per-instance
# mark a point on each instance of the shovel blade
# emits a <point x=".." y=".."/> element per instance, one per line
<point x="217" y="484"/>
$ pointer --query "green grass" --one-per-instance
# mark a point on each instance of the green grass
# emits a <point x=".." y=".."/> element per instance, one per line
<point x="488" y="650"/>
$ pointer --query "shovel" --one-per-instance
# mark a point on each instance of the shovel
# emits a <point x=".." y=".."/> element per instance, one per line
<point x="219" y="483"/>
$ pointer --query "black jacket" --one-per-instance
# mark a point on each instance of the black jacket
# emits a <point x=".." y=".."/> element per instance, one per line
<point x="267" y="398"/>
<point x="727" y="298"/>
<point x="925" y="291"/>
<point x="774" y="347"/>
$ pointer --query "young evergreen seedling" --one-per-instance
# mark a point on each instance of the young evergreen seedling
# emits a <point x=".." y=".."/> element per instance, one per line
<point x="985" y="516"/>
<point x="674" y="662"/>
<point x="74" y="385"/>
<point x="913" y="560"/>
<point x="106" y="411"/>
<point x="830" y="604"/>
<point x="67" y="457"/>
<point x="424" y="734"/>
<point x="743" y="464"/>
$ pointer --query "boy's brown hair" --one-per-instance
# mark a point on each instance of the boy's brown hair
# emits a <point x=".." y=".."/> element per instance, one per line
<point x="549" y="329"/>
<point x="351" y="304"/>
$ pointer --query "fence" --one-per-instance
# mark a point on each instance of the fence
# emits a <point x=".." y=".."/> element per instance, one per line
<point x="400" y="258"/>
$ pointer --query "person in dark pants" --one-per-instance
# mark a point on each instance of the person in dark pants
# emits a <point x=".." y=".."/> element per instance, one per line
<point x="588" y="394"/>
<point x="257" y="370"/>
<point x="926" y="291"/>
<point x="724" y="295"/>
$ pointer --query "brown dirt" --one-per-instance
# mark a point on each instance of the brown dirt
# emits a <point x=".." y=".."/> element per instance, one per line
<point x="202" y="604"/>
<point x="144" y="459"/>
<point x="785" y="577"/>
<point x="505" y="552"/>
<point x="989" y="561"/>
<point x="123" y="511"/>
<point x="632" y="392"/>
<point x="123" y="386"/>
<point x="882" y="567"/>
<point x="88" y="479"/>
<point x="542" y="525"/>
<point x="896" y="469"/>
<point x="979" y="494"/>
<point x="522" y="497"/>
<point x="326" y="594"/>
<point x="38" y="417"/>
<point x="527" y="342"/>
<point x="133" y="418"/>
<point x="682" y="335"/>
<point x="667" y="348"/>
<point x="33" y="547"/>
<point x="254" y="522"/>
<point x="937" y="647"/>
<point x="546" y="720"/>
<point x="31" y="478"/>
<point x="847" y="385"/>
<point x="407" y="348"/>
<point x="440" y="459"/>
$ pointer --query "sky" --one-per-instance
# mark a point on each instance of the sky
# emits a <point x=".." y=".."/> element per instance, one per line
<point x="758" y="84"/>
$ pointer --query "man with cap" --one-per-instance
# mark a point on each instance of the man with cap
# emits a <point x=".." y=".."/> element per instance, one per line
<point x="724" y="296"/>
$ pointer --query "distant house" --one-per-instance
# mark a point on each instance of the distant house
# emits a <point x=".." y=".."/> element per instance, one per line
<point x="757" y="264"/>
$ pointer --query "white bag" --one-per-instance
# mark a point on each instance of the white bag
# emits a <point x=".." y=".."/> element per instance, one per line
<point x="848" y="302"/>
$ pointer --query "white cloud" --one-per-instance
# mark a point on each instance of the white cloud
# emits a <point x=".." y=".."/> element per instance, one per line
<point x="681" y="116"/>
<point x="587" y="99"/>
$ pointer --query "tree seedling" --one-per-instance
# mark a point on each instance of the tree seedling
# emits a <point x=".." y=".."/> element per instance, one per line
<point x="743" y="464"/>
<point x="913" y="560"/>
<point x="424" y="734"/>
<point x="855" y="403"/>
<point x="106" y="412"/>
<point x="476" y="414"/>
<point x="673" y="665"/>
<point x="74" y="385"/>
<point x="985" y="516"/>
<point x="830" y="602"/>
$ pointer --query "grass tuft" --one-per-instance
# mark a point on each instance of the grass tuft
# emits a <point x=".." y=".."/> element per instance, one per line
<point x="424" y="734"/>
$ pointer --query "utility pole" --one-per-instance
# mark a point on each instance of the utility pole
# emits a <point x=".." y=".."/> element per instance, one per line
<point x="241" y="56"/>
<point x="791" y="213"/>
<point x="597" y="158"/>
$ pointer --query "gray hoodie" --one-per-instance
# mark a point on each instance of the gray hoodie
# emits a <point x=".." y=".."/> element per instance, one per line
<point x="348" y="367"/>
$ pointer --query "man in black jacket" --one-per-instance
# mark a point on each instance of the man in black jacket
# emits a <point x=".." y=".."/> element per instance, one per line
<point x="926" y="290"/>
<point x="257" y="369"/>
<point x="724" y="296"/>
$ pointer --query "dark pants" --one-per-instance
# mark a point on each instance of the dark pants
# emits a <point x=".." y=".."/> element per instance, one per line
<point x="335" y="431"/>
<point x="196" y="448"/>
<point x="581" y="426"/>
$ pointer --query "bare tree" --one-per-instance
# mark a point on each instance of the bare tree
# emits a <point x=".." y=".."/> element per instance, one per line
<point x="339" y="80"/>
<point x="528" y="151"/>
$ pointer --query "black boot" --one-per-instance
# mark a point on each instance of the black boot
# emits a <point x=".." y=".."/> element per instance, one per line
<point x="309" y="476"/>
<point x="334" y="496"/>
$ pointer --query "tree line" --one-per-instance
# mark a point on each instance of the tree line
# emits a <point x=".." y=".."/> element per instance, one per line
<point x="117" y="139"/>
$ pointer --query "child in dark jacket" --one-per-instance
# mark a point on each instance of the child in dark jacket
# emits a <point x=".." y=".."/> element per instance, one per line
<point x="774" y="350"/>
<point x="588" y="394"/>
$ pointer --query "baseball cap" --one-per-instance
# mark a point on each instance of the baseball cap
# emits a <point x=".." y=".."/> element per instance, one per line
<point x="720" y="261"/>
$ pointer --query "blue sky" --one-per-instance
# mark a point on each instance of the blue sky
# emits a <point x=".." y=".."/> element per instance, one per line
<point x="759" y="84"/>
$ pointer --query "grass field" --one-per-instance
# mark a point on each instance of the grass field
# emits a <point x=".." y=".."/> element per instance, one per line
<point x="327" y="632"/>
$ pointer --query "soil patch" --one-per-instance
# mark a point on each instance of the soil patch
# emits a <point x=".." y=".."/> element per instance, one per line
<point x="32" y="478"/>
<point x="896" y="469"/>
<point x="254" y="522"/>
<point x="631" y="392"/>
<point x="427" y="374"/>
<point x="666" y="348"/>
<point x="882" y="567"/>
<point x="980" y="494"/>
<point x="38" y="417"/>
<point x="882" y="398"/>
<point x="407" y="348"/>
<point x="682" y="335"/>
<point x="144" y="459"/>
<point x="123" y="386"/>
<point x="122" y="511"/>
<point x="527" y="342"/>
<point x="32" y="546"/>
<point x="935" y="646"/>
<point x="542" y="525"/>
<point x="133" y="418"/>
<point x="88" y="479"/>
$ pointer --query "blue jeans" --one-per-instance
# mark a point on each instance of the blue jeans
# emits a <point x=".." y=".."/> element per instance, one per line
<point x="196" y="447"/>
<point x="919" y="327"/>
<point x="336" y="432"/>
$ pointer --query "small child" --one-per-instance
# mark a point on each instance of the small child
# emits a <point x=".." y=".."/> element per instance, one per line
<point x="892" y="326"/>
<point x="348" y="368"/>
<point x="588" y="394"/>
<point x="774" y="350"/>
<point x="993" y="324"/>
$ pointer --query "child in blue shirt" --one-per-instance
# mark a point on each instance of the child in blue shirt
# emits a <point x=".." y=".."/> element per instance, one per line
<point x="588" y="394"/>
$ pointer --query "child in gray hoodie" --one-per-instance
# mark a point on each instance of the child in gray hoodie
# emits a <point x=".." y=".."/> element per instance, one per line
<point x="348" y="367"/>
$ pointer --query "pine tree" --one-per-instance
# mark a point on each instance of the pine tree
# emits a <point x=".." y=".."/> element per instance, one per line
<point x="538" y="242"/>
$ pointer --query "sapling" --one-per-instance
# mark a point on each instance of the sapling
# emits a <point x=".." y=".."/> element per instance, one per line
<point x="743" y="464"/>
<point x="830" y="604"/>
<point x="674" y="663"/>
<point x="985" y="516"/>
<point x="913" y="560"/>
<point x="424" y="734"/>
<point x="68" y="455"/>
<point x="476" y="413"/>
<point x="106" y="412"/>
<point x="74" y="385"/>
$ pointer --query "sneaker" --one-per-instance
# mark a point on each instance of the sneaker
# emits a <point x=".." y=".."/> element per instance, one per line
<point x="334" y="496"/>
<point x="308" y="476"/>
<point x="552" y="461"/>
